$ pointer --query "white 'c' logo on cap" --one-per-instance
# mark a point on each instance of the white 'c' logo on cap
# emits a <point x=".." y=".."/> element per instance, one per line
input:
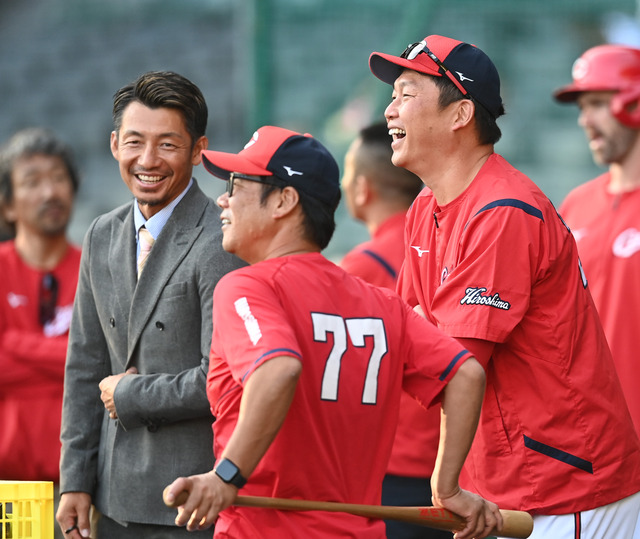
<point x="579" y="69"/>
<point x="253" y="140"/>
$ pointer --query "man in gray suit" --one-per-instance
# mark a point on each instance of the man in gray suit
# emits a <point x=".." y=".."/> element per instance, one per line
<point x="135" y="411"/>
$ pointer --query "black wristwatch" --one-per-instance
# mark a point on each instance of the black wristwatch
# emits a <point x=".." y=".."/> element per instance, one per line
<point x="229" y="473"/>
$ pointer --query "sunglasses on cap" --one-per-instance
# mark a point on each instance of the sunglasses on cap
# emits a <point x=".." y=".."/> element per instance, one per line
<point x="48" y="298"/>
<point x="414" y="49"/>
<point x="267" y="180"/>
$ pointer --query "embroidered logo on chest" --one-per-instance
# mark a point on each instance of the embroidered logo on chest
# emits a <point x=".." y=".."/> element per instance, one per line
<point x="419" y="250"/>
<point x="17" y="300"/>
<point x="444" y="274"/>
<point x="474" y="296"/>
<point x="627" y="243"/>
<point x="579" y="234"/>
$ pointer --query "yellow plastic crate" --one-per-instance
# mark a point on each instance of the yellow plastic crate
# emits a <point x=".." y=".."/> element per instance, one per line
<point x="26" y="510"/>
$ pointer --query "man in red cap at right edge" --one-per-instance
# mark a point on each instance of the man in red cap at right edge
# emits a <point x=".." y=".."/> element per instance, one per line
<point x="490" y="262"/>
<point x="603" y="213"/>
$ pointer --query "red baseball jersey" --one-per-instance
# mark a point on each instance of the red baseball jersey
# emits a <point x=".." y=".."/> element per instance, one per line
<point x="359" y="346"/>
<point x="498" y="264"/>
<point x="378" y="261"/>
<point x="607" y="230"/>
<point x="32" y="359"/>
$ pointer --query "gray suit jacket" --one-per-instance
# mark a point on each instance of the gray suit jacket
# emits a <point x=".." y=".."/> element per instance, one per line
<point x="161" y="325"/>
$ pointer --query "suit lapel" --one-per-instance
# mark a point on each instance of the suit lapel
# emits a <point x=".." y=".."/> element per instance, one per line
<point x="171" y="247"/>
<point x="122" y="262"/>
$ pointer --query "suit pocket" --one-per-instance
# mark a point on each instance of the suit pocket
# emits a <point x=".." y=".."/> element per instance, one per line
<point x="174" y="290"/>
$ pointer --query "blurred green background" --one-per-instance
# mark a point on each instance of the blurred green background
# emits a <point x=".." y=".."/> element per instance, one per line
<point x="301" y="64"/>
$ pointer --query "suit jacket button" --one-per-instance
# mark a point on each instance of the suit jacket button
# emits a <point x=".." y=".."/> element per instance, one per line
<point x="160" y="325"/>
<point x="112" y="322"/>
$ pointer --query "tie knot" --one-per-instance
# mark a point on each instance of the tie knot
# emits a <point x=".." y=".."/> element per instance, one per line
<point x="146" y="243"/>
<point x="146" y="240"/>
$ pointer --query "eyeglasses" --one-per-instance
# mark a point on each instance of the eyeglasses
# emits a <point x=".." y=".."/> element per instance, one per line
<point x="414" y="49"/>
<point x="268" y="180"/>
<point x="48" y="298"/>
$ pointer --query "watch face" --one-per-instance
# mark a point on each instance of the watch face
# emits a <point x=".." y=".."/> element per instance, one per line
<point x="229" y="473"/>
<point x="226" y="470"/>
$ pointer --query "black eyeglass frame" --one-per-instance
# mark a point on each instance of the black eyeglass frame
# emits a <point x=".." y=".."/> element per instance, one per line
<point x="268" y="180"/>
<point x="421" y="46"/>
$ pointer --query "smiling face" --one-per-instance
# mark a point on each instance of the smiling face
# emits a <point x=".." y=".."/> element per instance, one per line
<point x="415" y="123"/>
<point x="156" y="155"/>
<point x="609" y="140"/>
<point x="245" y="221"/>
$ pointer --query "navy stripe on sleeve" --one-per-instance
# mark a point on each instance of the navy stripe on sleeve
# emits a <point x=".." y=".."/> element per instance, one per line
<point x="451" y="365"/>
<point x="515" y="203"/>
<point x="558" y="454"/>
<point x="382" y="262"/>
<point x="288" y="351"/>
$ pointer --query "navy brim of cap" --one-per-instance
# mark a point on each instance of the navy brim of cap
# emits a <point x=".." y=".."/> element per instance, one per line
<point x="226" y="163"/>
<point x="388" y="67"/>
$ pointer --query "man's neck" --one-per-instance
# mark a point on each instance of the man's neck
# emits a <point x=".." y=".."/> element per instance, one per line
<point x="625" y="176"/>
<point x="379" y="214"/>
<point x="449" y="183"/>
<point x="297" y="247"/>
<point x="42" y="253"/>
<point x="623" y="179"/>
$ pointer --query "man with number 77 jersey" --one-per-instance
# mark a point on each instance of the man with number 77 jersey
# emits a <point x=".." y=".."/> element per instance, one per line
<point x="309" y="363"/>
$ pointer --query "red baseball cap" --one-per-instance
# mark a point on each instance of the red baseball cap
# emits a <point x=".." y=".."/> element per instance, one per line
<point x="470" y="69"/>
<point x="602" y="68"/>
<point x="296" y="159"/>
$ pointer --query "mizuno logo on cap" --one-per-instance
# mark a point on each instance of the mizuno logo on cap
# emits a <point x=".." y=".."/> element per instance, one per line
<point x="462" y="77"/>
<point x="291" y="172"/>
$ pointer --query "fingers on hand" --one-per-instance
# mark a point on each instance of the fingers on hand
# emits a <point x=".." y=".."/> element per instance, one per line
<point x="197" y="523"/>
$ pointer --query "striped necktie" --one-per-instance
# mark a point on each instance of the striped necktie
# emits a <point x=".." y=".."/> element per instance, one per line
<point x="146" y="243"/>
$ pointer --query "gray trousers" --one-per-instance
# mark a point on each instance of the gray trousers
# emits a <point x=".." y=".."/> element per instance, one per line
<point x="107" y="528"/>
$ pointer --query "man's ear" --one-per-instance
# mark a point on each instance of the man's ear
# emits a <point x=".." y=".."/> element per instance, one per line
<point x="196" y="156"/>
<point x="362" y="190"/>
<point x="114" y="144"/>
<point x="287" y="200"/>
<point x="7" y="213"/>
<point x="464" y="113"/>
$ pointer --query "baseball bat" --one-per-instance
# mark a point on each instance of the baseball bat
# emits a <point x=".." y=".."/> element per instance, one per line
<point x="517" y="524"/>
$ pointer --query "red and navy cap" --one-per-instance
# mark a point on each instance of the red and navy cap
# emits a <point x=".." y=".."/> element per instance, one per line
<point x="470" y="69"/>
<point x="298" y="160"/>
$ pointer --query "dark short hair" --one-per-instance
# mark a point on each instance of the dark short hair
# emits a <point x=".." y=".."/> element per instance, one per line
<point x="28" y="142"/>
<point x="165" y="89"/>
<point x="318" y="219"/>
<point x="373" y="158"/>
<point x="486" y="125"/>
